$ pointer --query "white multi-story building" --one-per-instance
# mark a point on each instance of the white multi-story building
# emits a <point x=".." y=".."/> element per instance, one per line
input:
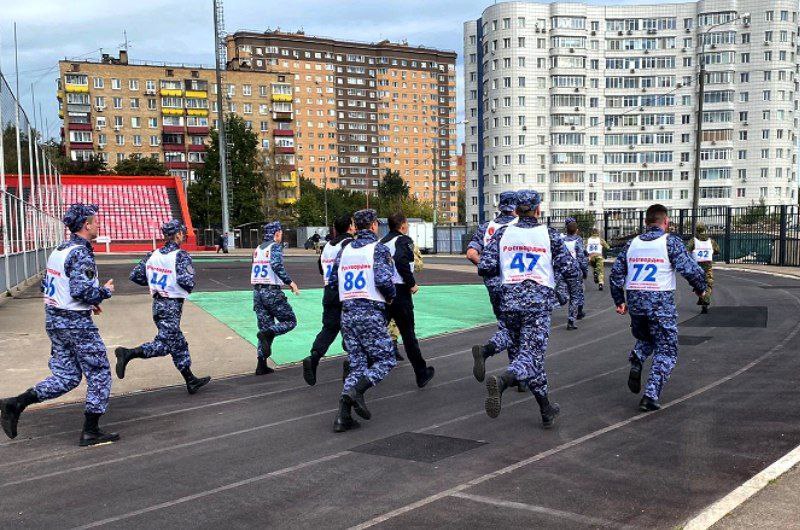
<point x="596" y="106"/>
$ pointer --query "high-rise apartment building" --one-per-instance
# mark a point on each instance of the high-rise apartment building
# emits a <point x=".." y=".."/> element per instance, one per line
<point x="117" y="109"/>
<point x="596" y="106"/>
<point x="363" y="108"/>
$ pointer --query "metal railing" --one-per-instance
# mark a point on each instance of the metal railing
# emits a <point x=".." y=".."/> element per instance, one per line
<point x="759" y="234"/>
<point x="30" y="196"/>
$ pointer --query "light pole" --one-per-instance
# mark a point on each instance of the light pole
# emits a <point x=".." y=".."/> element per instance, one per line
<point x="325" y="193"/>
<point x="701" y="84"/>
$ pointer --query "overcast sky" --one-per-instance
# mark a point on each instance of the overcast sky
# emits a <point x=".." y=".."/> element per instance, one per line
<point x="182" y="30"/>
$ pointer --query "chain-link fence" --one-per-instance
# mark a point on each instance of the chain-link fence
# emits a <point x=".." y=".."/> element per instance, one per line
<point x="30" y="195"/>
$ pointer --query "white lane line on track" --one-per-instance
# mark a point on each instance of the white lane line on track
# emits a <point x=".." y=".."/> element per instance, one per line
<point x="331" y="457"/>
<point x="262" y="427"/>
<point x="273" y="392"/>
<point x="711" y="515"/>
<point x="572" y="443"/>
<point x="558" y="514"/>
<point x="220" y="489"/>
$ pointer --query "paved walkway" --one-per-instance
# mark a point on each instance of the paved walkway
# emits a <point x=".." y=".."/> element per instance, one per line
<point x="776" y="506"/>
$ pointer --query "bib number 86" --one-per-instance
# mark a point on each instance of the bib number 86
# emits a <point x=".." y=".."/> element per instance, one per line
<point x="352" y="281"/>
<point x="650" y="271"/>
<point x="518" y="261"/>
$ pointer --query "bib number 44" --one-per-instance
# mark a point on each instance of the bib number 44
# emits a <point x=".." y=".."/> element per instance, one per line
<point x="159" y="280"/>
<point x="524" y="262"/>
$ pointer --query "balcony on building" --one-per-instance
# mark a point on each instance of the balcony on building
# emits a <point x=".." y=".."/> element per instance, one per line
<point x="81" y="145"/>
<point x="283" y="98"/>
<point x="176" y="164"/>
<point x="286" y="201"/>
<point x="172" y="142"/>
<point x="282" y="116"/>
<point x="169" y="111"/>
<point x="76" y="89"/>
<point x="288" y="181"/>
<point x="196" y="147"/>
<point x="197" y="112"/>
<point x="284" y="150"/>
<point x="172" y="129"/>
<point x="195" y="131"/>
<point x="196" y="88"/>
<point x="282" y="132"/>
<point x="171" y="88"/>
<point x="79" y="126"/>
<point x="79" y="108"/>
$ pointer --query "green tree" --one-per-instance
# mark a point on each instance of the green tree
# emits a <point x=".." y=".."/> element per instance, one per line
<point x="140" y="166"/>
<point x="246" y="182"/>
<point x="586" y="222"/>
<point x="462" y="206"/>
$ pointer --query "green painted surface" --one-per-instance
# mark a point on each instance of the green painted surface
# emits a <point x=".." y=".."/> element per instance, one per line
<point x="439" y="309"/>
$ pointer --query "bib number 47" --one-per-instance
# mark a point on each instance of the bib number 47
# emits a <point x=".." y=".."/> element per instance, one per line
<point x="524" y="262"/>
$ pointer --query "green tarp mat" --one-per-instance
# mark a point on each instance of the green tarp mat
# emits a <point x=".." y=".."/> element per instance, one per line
<point x="438" y="309"/>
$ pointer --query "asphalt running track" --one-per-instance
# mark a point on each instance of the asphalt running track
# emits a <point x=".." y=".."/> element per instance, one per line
<point x="250" y="451"/>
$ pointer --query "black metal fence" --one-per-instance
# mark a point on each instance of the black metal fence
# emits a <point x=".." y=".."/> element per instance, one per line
<point x="768" y="235"/>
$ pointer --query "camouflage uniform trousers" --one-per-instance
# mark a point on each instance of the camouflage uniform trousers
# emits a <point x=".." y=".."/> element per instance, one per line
<point x="501" y="339"/>
<point x="656" y="335"/>
<point x="77" y="352"/>
<point x="169" y="340"/>
<point x="708" y="267"/>
<point x="529" y="332"/>
<point x="368" y="344"/>
<point x="598" y="265"/>
<point x="570" y="293"/>
<point x="273" y="313"/>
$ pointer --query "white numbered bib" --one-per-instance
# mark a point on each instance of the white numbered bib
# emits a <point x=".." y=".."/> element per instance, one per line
<point x="357" y="274"/>
<point x="56" y="283"/>
<point x="570" y="244"/>
<point x="493" y="226"/>
<point x="703" y="251"/>
<point x="392" y="246"/>
<point x="525" y="254"/>
<point x="261" y="272"/>
<point x="649" y="268"/>
<point x="162" y="275"/>
<point x="328" y="259"/>
<point x="594" y="246"/>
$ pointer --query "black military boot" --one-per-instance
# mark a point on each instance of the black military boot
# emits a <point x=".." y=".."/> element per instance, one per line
<point x="704" y="309"/>
<point x="549" y="410"/>
<point x="355" y="397"/>
<point x="521" y="386"/>
<point x="92" y="435"/>
<point x="581" y="314"/>
<point x="635" y="377"/>
<point x="425" y="377"/>
<point x="600" y="287"/>
<point x="344" y="420"/>
<point x="265" y="338"/>
<point x="124" y="356"/>
<point x="495" y="386"/>
<point x="397" y="355"/>
<point x="571" y="325"/>
<point x="262" y="368"/>
<point x="193" y="383"/>
<point x="479" y="356"/>
<point x="11" y="408"/>
<point x="648" y="404"/>
<point x="310" y="364"/>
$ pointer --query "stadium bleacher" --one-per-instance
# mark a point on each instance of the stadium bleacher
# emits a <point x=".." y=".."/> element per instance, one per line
<point x="132" y="208"/>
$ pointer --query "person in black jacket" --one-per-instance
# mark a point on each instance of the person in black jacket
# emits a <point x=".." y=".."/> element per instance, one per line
<point x="401" y="310"/>
<point x="331" y="306"/>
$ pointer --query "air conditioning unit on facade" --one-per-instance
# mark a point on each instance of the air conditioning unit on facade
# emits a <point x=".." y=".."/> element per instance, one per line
<point x="150" y="92"/>
<point x="647" y="52"/>
<point x="99" y="108"/>
<point x="117" y="127"/>
<point x="651" y="32"/>
<point x="594" y="33"/>
<point x="661" y="128"/>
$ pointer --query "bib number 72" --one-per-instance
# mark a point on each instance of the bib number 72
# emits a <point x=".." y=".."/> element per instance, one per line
<point x="518" y="262"/>
<point x="649" y="271"/>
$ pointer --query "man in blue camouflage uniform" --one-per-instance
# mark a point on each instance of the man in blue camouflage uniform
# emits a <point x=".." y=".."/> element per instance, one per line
<point x="654" y="318"/>
<point x="574" y="287"/>
<point x="364" y="322"/>
<point x="167" y="309"/>
<point x="273" y="312"/>
<point x="526" y="307"/>
<point x="77" y="349"/>
<point x="500" y="340"/>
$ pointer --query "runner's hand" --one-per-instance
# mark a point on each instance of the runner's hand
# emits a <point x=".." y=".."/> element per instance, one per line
<point x="110" y="285"/>
<point x="622" y="309"/>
